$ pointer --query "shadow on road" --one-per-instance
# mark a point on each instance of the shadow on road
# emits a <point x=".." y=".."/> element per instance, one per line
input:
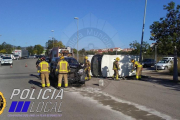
<point x="96" y="84"/>
<point x="165" y="82"/>
<point x="37" y="76"/>
<point x="162" y="78"/>
<point x="35" y="83"/>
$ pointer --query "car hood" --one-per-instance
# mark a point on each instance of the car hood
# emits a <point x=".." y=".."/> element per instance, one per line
<point x="73" y="65"/>
<point x="6" y="59"/>
<point x="161" y="63"/>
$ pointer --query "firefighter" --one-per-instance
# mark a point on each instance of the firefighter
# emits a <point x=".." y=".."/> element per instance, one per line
<point x="44" y="69"/>
<point x="116" y="68"/>
<point x="138" y="68"/>
<point x="63" y="69"/>
<point x="37" y="62"/>
<point x="87" y="68"/>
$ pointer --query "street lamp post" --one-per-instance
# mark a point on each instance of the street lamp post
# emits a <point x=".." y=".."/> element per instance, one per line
<point x="77" y="36"/>
<point x="156" y="55"/>
<point x="140" y="58"/>
<point x="175" y="72"/>
<point x="52" y="36"/>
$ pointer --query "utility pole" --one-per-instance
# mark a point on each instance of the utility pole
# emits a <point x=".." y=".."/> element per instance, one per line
<point x="156" y="56"/>
<point x="175" y="71"/>
<point x="140" y="58"/>
<point x="77" y="37"/>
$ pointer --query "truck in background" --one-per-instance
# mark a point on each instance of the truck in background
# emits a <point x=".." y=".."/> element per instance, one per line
<point x="57" y="52"/>
<point x="23" y="54"/>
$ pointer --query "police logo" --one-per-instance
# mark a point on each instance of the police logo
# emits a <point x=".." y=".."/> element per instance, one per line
<point x="2" y="103"/>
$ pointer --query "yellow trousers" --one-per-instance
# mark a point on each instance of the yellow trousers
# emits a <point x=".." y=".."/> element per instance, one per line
<point x="60" y="76"/>
<point x="138" y="72"/>
<point x="116" y="74"/>
<point x="87" y="72"/>
<point x="45" y="76"/>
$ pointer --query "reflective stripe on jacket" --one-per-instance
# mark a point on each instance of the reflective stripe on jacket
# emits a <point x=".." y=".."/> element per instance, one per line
<point x="63" y="66"/>
<point x="137" y="64"/>
<point x="43" y="67"/>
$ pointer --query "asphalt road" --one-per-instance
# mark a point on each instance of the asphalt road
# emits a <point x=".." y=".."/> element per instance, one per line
<point x="149" y="99"/>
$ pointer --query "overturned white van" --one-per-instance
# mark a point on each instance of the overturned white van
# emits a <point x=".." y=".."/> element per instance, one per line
<point x="102" y="65"/>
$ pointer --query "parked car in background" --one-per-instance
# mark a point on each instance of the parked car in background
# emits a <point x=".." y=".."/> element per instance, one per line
<point x="164" y="64"/>
<point x="6" y="60"/>
<point x="148" y="62"/>
<point x="16" y="57"/>
<point x="39" y="56"/>
<point x="32" y="57"/>
<point x="168" y="58"/>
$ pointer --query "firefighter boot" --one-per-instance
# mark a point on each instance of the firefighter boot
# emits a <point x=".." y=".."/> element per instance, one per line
<point x="66" y="85"/>
<point x="86" y="78"/>
<point x="137" y="77"/>
<point x="89" y="77"/>
<point x="117" y="77"/>
<point x="59" y="86"/>
<point x="48" y="85"/>
<point x="43" y="85"/>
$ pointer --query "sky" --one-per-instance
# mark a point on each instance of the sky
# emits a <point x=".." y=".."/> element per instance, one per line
<point x="101" y="23"/>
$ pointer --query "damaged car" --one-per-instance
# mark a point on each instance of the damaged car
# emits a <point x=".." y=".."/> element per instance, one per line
<point x="76" y="74"/>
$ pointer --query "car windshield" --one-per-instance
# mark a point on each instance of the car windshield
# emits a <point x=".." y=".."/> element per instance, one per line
<point x="16" y="55"/>
<point x="6" y="57"/>
<point x="71" y="61"/>
<point x="163" y="61"/>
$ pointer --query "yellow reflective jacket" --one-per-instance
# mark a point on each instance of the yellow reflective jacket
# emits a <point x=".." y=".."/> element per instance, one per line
<point x="137" y="64"/>
<point x="87" y="64"/>
<point x="62" y="66"/>
<point x="116" y="65"/>
<point x="43" y="67"/>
